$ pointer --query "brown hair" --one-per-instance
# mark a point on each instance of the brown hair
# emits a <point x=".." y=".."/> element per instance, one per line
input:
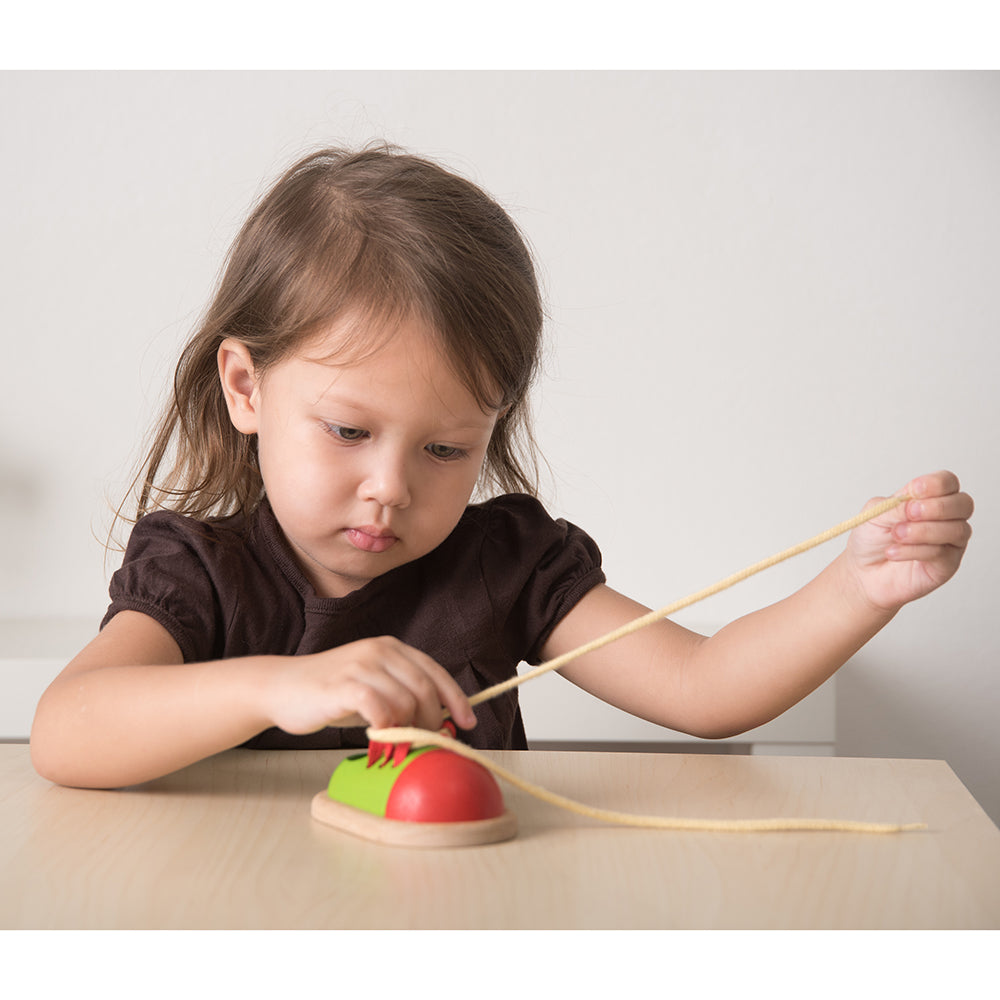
<point x="373" y="236"/>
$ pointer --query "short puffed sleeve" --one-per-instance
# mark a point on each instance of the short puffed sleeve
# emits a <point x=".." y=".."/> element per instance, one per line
<point x="166" y="574"/>
<point x="536" y="568"/>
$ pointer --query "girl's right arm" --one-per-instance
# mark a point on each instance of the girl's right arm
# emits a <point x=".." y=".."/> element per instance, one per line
<point x="127" y="709"/>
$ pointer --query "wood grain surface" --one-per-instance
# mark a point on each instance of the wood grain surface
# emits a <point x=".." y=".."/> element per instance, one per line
<point x="230" y="843"/>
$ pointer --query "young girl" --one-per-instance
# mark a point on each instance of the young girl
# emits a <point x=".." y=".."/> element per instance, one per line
<point x="306" y="562"/>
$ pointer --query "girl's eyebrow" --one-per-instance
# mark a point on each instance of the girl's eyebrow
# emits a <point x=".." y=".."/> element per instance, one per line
<point x="364" y="409"/>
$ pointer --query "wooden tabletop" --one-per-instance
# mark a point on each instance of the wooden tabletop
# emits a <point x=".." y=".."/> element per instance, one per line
<point x="229" y="843"/>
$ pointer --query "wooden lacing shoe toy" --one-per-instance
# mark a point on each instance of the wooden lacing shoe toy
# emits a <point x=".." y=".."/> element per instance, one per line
<point x="442" y="794"/>
<point x="423" y="797"/>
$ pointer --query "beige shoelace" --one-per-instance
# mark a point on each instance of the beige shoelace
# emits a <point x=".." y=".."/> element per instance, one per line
<point x="425" y="737"/>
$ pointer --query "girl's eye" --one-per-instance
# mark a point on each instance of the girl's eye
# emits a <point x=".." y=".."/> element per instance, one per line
<point x="445" y="452"/>
<point x="346" y="433"/>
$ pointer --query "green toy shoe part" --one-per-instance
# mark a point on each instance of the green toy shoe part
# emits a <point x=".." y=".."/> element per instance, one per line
<point x="357" y="784"/>
<point x="430" y="785"/>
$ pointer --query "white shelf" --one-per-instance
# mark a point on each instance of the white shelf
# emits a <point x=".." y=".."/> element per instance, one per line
<point x="32" y="652"/>
<point x="556" y="711"/>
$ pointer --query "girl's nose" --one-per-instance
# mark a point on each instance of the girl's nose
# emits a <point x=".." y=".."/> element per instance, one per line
<point x="386" y="482"/>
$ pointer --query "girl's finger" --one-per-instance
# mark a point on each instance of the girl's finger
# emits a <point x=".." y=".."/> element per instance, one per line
<point x="449" y="693"/>
<point x="955" y="506"/>
<point x="936" y="484"/>
<point x="432" y="687"/>
<point x="943" y="554"/>
<point x="956" y="533"/>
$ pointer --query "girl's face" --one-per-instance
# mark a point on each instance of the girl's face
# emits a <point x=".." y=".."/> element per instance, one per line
<point x="367" y="465"/>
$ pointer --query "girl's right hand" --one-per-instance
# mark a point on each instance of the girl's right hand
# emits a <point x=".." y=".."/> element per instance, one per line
<point x="378" y="682"/>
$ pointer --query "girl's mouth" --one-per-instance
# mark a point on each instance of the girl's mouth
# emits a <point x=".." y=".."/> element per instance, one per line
<point x="371" y="539"/>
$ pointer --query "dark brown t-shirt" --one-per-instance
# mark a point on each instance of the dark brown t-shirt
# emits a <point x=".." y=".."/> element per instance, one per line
<point x="485" y="599"/>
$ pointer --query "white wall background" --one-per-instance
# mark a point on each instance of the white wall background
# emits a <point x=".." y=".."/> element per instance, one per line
<point x="772" y="295"/>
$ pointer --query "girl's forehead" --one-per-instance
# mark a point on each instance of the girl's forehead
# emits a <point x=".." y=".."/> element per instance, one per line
<point x="404" y="355"/>
<point x="411" y="341"/>
<point x="356" y="338"/>
<point x="404" y="380"/>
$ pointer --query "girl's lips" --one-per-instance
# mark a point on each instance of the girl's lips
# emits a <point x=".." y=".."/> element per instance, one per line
<point x="371" y="539"/>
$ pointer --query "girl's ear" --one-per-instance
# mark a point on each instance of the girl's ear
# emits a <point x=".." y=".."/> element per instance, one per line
<point x="239" y="384"/>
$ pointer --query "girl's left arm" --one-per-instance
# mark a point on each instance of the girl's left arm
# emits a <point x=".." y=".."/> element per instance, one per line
<point x="754" y="669"/>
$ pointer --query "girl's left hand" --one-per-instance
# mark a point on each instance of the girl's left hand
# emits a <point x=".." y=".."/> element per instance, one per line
<point x="914" y="548"/>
